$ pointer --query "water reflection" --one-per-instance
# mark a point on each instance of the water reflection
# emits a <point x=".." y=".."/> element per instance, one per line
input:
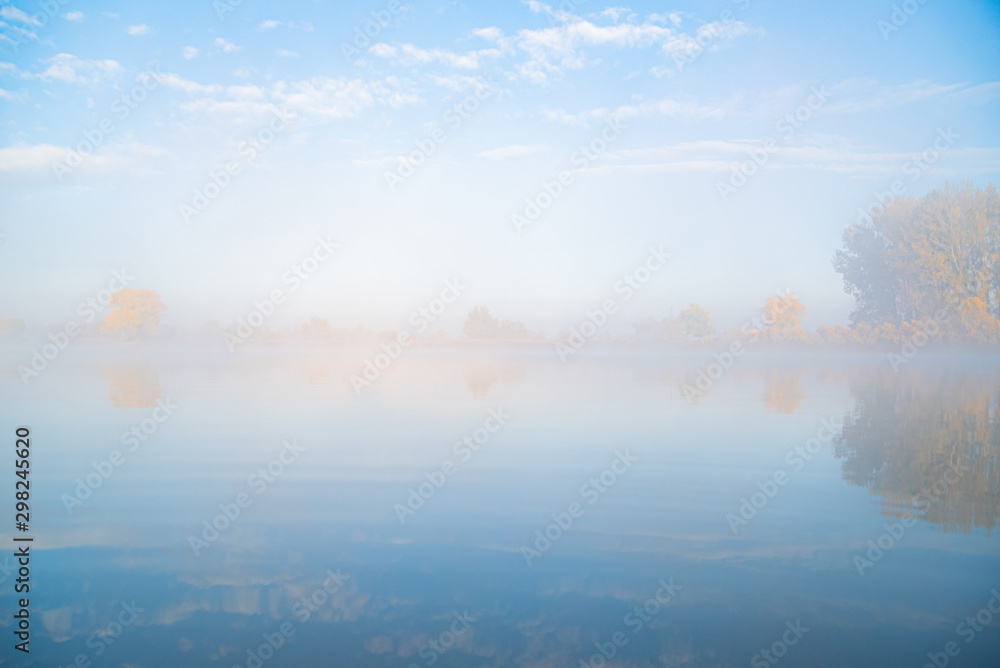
<point x="909" y="430"/>
<point x="481" y="375"/>
<point x="459" y="555"/>
<point x="136" y="385"/>
<point x="783" y="391"/>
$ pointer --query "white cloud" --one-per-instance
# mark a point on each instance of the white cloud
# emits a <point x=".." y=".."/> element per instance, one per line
<point x="457" y="82"/>
<point x="708" y="37"/>
<point x="14" y="69"/>
<point x="67" y="67"/>
<point x="171" y="80"/>
<point x="515" y="151"/>
<point x="26" y="158"/>
<point x="136" y="31"/>
<point x="73" y="16"/>
<point x="411" y="55"/>
<point x="825" y="153"/>
<point x="122" y="156"/>
<point x="491" y="34"/>
<point x="284" y="53"/>
<point x="382" y="50"/>
<point x="12" y="13"/>
<point x="615" y="13"/>
<point x="227" y="47"/>
<point x="664" y="107"/>
<point x="337" y="98"/>
<point x="318" y="98"/>
<point x="271" y="24"/>
<point x="978" y="93"/>
<point x="548" y="52"/>
<point x="247" y="92"/>
<point x="190" y="52"/>
<point x="855" y="95"/>
<point x="23" y="32"/>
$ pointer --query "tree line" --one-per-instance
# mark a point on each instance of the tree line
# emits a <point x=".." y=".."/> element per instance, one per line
<point x="918" y="267"/>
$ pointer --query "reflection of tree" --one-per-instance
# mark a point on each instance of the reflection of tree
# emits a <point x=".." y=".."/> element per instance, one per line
<point x="783" y="390"/>
<point x="133" y="387"/>
<point x="907" y="434"/>
<point x="481" y="376"/>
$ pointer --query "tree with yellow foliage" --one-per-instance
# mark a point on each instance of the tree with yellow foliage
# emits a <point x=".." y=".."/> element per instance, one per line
<point x="782" y="317"/>
<point x="919" y="259"/>
<point x="137" y="311"/>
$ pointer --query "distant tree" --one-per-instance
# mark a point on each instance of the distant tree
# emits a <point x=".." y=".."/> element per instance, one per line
<point x="135" y="312"/>
<point x="317" y="328"/>
<point x="667" y="330"/>
<point x="11" y="326"/>
<point x="697" y="322"/>
<point x="782" y="316"/>
<point x="480" y="324"/>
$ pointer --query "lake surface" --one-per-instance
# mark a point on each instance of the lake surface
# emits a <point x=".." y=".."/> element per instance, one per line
<point x="475" y="508"/>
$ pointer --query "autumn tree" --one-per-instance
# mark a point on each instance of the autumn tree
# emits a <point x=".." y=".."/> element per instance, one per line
<point x="917" y="257"/>
<point x="697" y="322"/>
<point x="135" y="311"/>
<point x="782" y="318"/>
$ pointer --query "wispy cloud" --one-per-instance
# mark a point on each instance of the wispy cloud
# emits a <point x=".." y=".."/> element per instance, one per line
<point x="71" y="69"/>
<point x="226" y="46"/>
<point x="316" y="99"/>
<point x="855" y="96"/>
<point x="138" y="30"/>
<point x="176" y="82"/>
<point x="514" y="151"/>
<point x="12" y="13"/>
<point x="668" y="107"/>
<point x="549" y="52"/>
<point x="271" y="24"/>
<point x="122" y="156"/>
<point x="410" y="55"/>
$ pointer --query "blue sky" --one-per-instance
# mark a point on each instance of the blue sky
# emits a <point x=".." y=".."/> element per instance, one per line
<point x="691" y="114"/>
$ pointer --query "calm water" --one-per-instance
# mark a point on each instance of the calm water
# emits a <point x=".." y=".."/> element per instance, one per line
<point x="693" y="533"/>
